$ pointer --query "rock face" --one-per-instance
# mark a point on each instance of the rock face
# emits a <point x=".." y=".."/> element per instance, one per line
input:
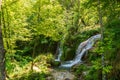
<point x="62" y="75"/>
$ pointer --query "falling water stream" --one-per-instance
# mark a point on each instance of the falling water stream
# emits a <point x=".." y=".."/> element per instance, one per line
<point x="81" y="50"/>
<point x="59" y="55"/>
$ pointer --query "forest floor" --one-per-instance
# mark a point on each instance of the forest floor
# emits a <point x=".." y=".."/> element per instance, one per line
<point x="58" y="74"/>
<point x="62" y="74"/>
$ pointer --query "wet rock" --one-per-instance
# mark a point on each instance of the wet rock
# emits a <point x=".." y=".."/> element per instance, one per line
<point x="62" y="75"/>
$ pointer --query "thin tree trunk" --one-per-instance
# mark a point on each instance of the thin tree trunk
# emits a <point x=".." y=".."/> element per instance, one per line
<point x="36" y="40"/>
<point x="33" y="55"/>
<point x="78" y="16"/>
<point x="34" y="51"/>
<point x="101" y="27"/>
<point x="2" y="56"/>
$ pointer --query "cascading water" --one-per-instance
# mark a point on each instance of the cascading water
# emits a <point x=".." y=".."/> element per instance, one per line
<point x="60" y="50"/>
<point x="82" y="48"/>
<point x="59" y="55"/>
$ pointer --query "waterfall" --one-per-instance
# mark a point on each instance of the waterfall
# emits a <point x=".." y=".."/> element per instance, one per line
<point x="60" y="50"/>
<point x="82" y="48"/>
<point x="59" y="54"/>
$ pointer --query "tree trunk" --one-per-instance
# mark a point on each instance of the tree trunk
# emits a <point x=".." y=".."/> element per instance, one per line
<point x="101" y="27"/>
<point x="2" y="57"/>
<point x="2" y="52"/>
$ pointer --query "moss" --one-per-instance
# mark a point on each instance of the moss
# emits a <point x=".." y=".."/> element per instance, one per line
<point x="56" y="63"/>
<point x="69" y="54"/>
<point x="79" y="70"/>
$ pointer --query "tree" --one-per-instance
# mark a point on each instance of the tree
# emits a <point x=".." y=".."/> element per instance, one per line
<point x="2" y="55"/>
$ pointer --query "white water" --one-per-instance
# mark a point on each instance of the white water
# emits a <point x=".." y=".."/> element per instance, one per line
<point x="59" y="55"/>
<point x="82" y="48"/>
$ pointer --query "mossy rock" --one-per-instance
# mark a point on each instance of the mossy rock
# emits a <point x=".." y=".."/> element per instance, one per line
<point x="56" y="63"/>
<point x="69" y="54"/>
<point x="79" y="70"/>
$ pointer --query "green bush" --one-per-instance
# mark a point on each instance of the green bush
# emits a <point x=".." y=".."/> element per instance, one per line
<point x="32" y="76"/>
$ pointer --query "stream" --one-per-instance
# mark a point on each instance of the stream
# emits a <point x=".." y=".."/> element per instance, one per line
<point x="80" y="52"/>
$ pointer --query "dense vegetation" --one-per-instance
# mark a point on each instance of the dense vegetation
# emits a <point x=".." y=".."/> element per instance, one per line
<point x="32" y="31"/>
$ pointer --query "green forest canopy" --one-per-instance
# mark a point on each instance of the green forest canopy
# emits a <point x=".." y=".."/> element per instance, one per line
<point x="32" y="28"/>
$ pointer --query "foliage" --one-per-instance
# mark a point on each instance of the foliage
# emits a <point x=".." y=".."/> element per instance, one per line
<point x="42" y="25"/>
<point x="32" y="76"/>
<point x="44" y="59"/>
<point x="23" y="72"/>
<point x="108" y="48"/>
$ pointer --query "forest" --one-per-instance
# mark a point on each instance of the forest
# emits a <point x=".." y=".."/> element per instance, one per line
<point x="59" y="39"/>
